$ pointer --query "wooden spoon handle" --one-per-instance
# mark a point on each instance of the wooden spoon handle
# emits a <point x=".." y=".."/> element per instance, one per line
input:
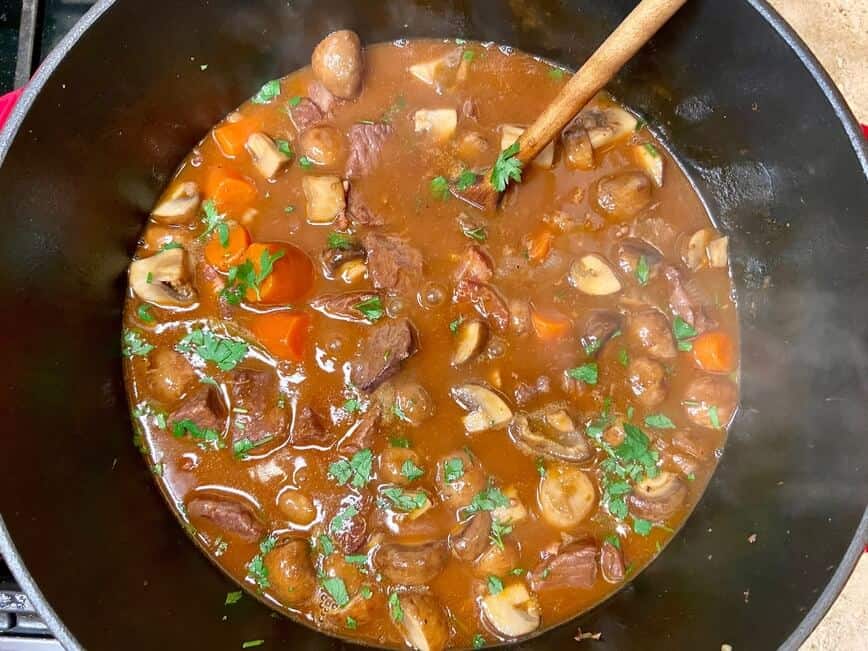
<point x="636" y="29"/>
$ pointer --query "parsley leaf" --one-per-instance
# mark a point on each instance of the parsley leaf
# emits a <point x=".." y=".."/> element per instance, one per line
<point x="399" y="442"/>
<point x="468" y="55"/>
<point x="439" y="187"/>
<point x="244" y="277"/>
<point x="256" y="569"/>
<point x="642" y="270"/>
<point x="334" y="585"/>
<point x="213" y="220"/>
<point x="268" y="92"/>
<point x="487" y="500"/>
<point x="284" y="147"/>
<point x="479" y="233"/>
<point x="372" y="309"/>
<point x="453" y="326"/>
<point x="478" y="641"/>
<point x="453" y="470"/>
<point x="357" y="470"/>
<point x="587" y="373"/>
<point x="642" y="527"/>
<point x="557" y="73"/>
<point x="340" y="520"/>
<point x="326" y="545"/>
<point x="540" y="466"/>
<point x="352" y="624"/>
<point x="659" y="421"/>
<point x="410" y="470"/>
<point x="613" y="540"/>
<point x="405" y="500"/>
<point x="134" y="345"/>
<point x="225" y="352"/>
<point x="682" y="329"/>
<point x="206" y="437"/>
<point x="249" y="644"/>
<point x="351" y="405"/>
<point x="495" y="585"/>
<point x="304" y="162"/>
<point x="398" y="411"/>
<point x="623" y="357"/>
<point x="395" y="609"/>
<point x="233" y="597"/>
<point x="295" y="100"/>
<point x="356" y="559"/>
<point x="339" y="241"/>
<point x="466" y="179"/>
<point x="507" y="167"/>
<point x="498" y="531"/>
<point x="144" y="313"/>
<point x="714" y="417"/>
<point x="167" y="246"/>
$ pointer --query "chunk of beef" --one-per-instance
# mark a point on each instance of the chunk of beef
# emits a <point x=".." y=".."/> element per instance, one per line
<point x="343" y="307"/>
<point x="574" y="566"/>
<point x="204" y="407"/>
<point x="600" y="326"/>
<point x="363" y="434"/>
<point x="231" y="516"/>
<point x="649" y="329"/>
<point x="612" y="563"/>
<point x="487" y="301"/>
<point x="392" y="262"/>
<point x="366" y="143"/>
<point x="358" y="211"/>
<point x="305" y="114"/>
<point x="475" y="264"/>
<point x="321" y="96"/>
<point x="255" y="394"/>
<point x="308" y="429"/>
<point x="683" y="304"/>
<point x="381" y="354"/>
<point x="647" y="380"/>
<point x="525" y="393"/>
<point x="349" y="533"/>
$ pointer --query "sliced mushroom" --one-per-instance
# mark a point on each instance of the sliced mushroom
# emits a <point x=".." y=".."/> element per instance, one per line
<point x="487" y="409"/>
<point x="606" y="126"/>
<point x="710" y="401"/>
<point x="578" y="151"/>
<point x="574" y="566"/>
<point x="551" y="434"/>
<point x="566" y="496"/>
<point x="497" y="560"/>
<point x="592" y="275"/>
<point x="611" y="563"/>
<point x="290" y="571"/>
<point x="424" y="625"/>
<point x="510" y="133"/>
<point x="631" y="251"/>
<point x="693" y="249"/>
<point x="470" y="538"/>
<point x="621" y="196"/>
<point x="163" y="279"/>
<point x="717" y="251"/>
<point x="325" y="198"/>
<point x="512" y="612"/>
<point x="600" y="326"/>
<point x="470" y="338"/>
<point x="648" y="157"/>
<point x="659" y="498"/>
<point x="337" y="63"/>
<point x="265" y="154"/>
<point x="414" y="564"/>
<point x="459" y="478"/>
<point x="440" y="123"/>
<point x="649" y="329"/>
<point x="179" y="206"/>
<point x="647" y="380"/>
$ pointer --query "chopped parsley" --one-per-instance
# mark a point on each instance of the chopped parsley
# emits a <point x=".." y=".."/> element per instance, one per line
<point x="144" y="313"/>
<point x="372" y="309"/>
<point x="340" y="520"/>
<point x="453" y="326"/>
<point x="284" y="147"/>
<point x="250" y="644"/>
<point x="241" y="447"/>
<point x="352" y="624"/>
<point x="468" y="55"/>
<point x="642" y="527"/>
<point x="518" y="571"/>
<point x="256" y="569"/>
<point x="366" y="592"/>
<point x="613" y="540"/>
<point x="439" y="187"/>
<point x="357" y="470"/>
<point x="334" y="585"/>
<point x="587" y="373"/>
<point x="207" y="437"/>
<point x="357" y="559"/>
<point x="351" y="405"/>
<point x="651" y="149"/>
<point x="591" y="345"/>
<point x="691" y="476"/>
<point x="540" y="466"/>
<point x="214" y="221"/>
<point x="479" y="233"/>
<point x="623" y="357"/>
<point x="683" y="331"/>
<point x="642" y="270"/>
<point x="393" y="110"/>
<point x="453" y="470"/>
<point x="498" y="531"/>
<point x="557" y="73"/>
<point x="339" y="241"/>
<point x="406" y="501"/>
<point x="395" y="609"/>
<point x="172" y="244"/>
<point x="326" y="545"/>
<point x="304" y="162"/>
<point x="268" y="92"/>
<point x="466" y="179"/>
<point x="713" y="417"/>
<point x="289" y="208"/>
<point x="478" y="641"/>
<point x="294" y="101"/>
<point x="399" y="442"/>
<point x="244" y="277"/>
<point x="495" y="585"/>
<point x="134" y="345"/>
<point x="398" y="411"/>
<point x="659" y="421"/>
<point x="410" y="470"/>
<point x="506" y="168"/>
<point x="233" y="597"/>
<point x="487" y="500"/>
<point x="225" y="352"/>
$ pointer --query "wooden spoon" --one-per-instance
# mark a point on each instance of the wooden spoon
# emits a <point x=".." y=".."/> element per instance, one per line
<point x="635" y="30"/>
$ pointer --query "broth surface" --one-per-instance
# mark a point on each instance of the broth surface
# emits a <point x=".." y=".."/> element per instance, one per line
<point x="295" y="466"/>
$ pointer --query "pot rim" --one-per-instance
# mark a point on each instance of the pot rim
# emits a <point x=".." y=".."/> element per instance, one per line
<point x="771" y="16"/>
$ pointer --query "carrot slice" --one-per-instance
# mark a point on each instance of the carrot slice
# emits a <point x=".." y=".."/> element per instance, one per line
<point x="714" y="351"/>
<point x="232" y="193"/>
<point x="550" y="325"/>
<point x="291" y="275"/>
<point x="540" y="245"/>
<point x="222" y="256"/>
<point x="232" y="136"/>
<point x="284" y="334"/>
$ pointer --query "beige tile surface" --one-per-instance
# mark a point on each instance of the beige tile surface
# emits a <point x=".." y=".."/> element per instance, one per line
<point x="837" y="33"/>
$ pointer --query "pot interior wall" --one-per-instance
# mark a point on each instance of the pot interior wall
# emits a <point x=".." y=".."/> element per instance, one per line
<point x="756" y="134"/>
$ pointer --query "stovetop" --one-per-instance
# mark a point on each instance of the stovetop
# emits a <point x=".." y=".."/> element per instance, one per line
<point x="29" y="29"/>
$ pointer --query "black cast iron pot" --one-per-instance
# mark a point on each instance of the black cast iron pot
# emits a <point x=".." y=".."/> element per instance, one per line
<point x="760" y="130"/>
